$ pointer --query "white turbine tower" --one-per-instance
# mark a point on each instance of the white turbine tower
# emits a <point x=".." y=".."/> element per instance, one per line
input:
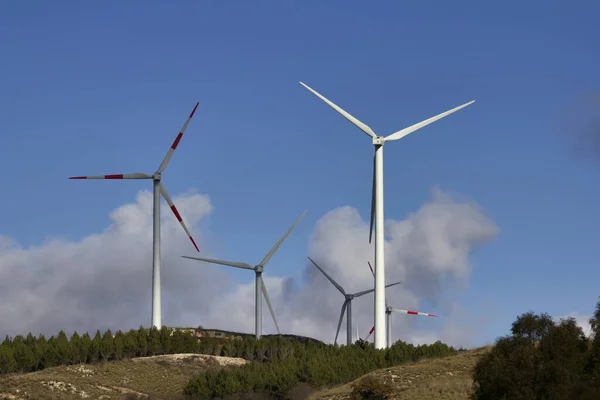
<point x="347" y="304"/>
<point x="388" y="314"/>
<point x="260" y="288"/>
<point x="377" y="204"/>
<point x="158" y="189"/>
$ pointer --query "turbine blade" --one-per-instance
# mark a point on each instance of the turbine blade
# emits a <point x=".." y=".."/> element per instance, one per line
<point x="337" y="285"/>
<point x="337" y="332"/>
<point x="394" y="284"/>
<point x="372" y="272"/>
<point x="362" y="126"/>
<point x="370" y="333"/>
<point x="409" y="312"/>
<point x="363" y="292"/>
<point x="221" y="262"/>
<point x="400" y="134"/>
<point x="167" y="158"/>
<point x="137" y="175"/>
<point x="372" y="290"/>
<point x="264" y="290"/>
<point x="274" y="249"/>
<point x="164" y="193"/>
<point x="372" y="219"/>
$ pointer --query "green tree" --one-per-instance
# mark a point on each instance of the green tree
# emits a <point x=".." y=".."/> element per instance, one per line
<point x="7" y="359"/>
<point x="142" y="340"/>
<point x="119" y="348"/>
<point x="107" y="346"/>
<point x="86" y="348"/>
<point x="76" y="348"/>
<point x="63" y="348"/>
<point x="154" y="347"/>
<point x="95" y="346"/>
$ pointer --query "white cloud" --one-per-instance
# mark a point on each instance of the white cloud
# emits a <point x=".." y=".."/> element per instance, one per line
<point x="103" y="281"/>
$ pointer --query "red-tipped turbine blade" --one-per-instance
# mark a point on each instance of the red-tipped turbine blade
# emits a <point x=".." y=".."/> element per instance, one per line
<point x="138" y="175"/>
<point x="409" y="312"/>
<point x="167" y="158"/>
<point x="370" y="333"/>
<point x="177" y="215"/>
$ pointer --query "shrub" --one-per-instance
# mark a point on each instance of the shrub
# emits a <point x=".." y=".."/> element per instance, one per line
<point x="372" y="388"/>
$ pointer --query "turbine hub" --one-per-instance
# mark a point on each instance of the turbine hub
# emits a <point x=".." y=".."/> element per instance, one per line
<point x="378" y="140"/>
<point x="349" y="296"/>
<point x="259" y="269"/>
<point x="156" y="176"/>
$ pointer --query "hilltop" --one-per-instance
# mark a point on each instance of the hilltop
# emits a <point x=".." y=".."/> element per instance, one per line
<point x="163" y="377"/>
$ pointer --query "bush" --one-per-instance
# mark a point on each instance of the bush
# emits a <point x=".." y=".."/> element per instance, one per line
<point x="372" y="388"/>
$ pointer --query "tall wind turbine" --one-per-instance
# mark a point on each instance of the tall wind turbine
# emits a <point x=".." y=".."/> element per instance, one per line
<point x="377" y="203"/>
<point x="158" y="189"/>
<point x="347" y="305"/>
<point x="388" y="315"/>
<point x="260" y="288"/>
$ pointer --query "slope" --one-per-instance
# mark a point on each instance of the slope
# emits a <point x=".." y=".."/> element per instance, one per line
<point x="163" y="377"/>
<point x="447" y="378"/>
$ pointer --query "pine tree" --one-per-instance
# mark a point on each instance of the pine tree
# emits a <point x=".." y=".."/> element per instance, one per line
<point x="23" y="355"/>
<point x="119" y="348"/>
<point x="50" y="357"/>
<point x="76" y="344"/>
<point x="165" y="340"/>
<point x="154" y="342"/>
<point x="94" y="351"/>
<point x="107" y="346"/>
<point x="86" y="348"/>
<point x="64" y="348"/>
<point x="7" y="359"/>
<point x="142" y="340"/>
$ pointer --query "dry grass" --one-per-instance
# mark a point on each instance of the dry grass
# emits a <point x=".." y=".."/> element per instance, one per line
<point x="163" y="377"/>
<point x="436" y="379"/>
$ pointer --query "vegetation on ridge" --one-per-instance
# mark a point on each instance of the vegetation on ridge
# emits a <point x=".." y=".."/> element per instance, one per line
<point x="542" y="359"/>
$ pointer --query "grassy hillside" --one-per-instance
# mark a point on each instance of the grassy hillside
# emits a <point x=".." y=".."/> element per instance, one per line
<point x="447" y="378"/>
<point x="163" y="377"/>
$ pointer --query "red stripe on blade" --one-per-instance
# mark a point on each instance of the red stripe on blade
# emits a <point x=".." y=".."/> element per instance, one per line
<point x="412" y="312"/>
<point x="432" y="315"/>
<point x="176" y="214"/>
<point x="194" y="110"/>
<point x="176" y="142"/>
<point x="194" y="243"/>
<point x="370" y="266"/>
<point x="371" y="331"/>
<point x="78" y="177"/>
<point x="119" y="176"/>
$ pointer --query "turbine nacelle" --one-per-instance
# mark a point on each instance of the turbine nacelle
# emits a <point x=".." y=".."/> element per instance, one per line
<point x="378" y="141"/>
<point x="259" y="269"/>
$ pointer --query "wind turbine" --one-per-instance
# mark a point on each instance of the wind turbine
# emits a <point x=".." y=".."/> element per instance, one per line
<point x="388" y="314"/>
<point x="377" y="203"/>
<point x="158" y="189"/>
<point x="346" y="305"/>
<point x="260" y="288"/>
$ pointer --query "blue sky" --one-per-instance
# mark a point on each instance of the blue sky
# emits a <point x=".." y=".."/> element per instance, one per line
<point x="90" y="89"/>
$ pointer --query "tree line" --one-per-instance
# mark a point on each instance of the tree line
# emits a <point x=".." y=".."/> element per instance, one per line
<point x="280" y="365"/>
<point x="30" y="353"/>
<point x="542" y="359"/>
